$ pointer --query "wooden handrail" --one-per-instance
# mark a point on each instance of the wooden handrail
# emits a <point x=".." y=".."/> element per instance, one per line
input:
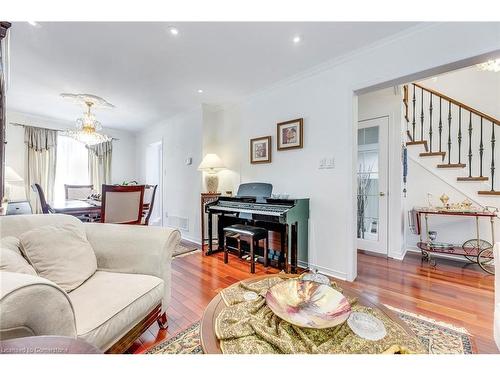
<point x="460" y="104"/>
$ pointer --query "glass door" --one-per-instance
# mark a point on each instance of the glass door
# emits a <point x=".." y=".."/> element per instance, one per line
<point x="372" y="206"/>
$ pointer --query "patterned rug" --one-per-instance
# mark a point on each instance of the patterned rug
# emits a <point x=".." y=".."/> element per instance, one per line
<point x="182" y="250"/>
<point x="438" y="337"/>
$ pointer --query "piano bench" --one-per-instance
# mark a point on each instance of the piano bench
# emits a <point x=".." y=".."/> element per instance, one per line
<point x="251" y="234"/>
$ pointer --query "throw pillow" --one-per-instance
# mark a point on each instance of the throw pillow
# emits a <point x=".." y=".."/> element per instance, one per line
<point x="61" y="254"/>
<point x="13" y="261"/>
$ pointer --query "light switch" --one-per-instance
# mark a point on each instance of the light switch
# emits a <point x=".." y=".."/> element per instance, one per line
<point x="189" y="161"/>
<point x="327" y="163"/>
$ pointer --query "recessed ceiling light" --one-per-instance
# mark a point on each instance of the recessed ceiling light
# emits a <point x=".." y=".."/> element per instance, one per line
<point x="33" y="23"/>
<point x="173" y="30"/>
<point x="296" y="39"/>
<point x="200" y="91"/>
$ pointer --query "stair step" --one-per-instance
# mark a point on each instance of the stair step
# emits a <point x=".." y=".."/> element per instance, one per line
<point x="472" y="178"/>
<point x="414" y="143"/>
<point x="451" y="166"/>
<point x="442" y="154"/>
<point x="489" y="192"/>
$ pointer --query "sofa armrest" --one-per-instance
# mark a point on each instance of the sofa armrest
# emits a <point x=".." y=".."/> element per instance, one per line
<point x="33" y="306"/>
<point x="496" y="255"/>
<point x="134" y="249"/>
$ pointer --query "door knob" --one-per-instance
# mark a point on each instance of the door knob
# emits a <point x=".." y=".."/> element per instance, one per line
<point x="382" y="194"/>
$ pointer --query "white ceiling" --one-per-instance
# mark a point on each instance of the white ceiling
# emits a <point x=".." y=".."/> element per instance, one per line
<point x="150" y="75"/>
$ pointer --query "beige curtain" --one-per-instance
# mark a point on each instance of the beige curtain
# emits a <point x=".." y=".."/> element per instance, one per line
<point x="100" y="164"/>
<point x="40" y="163"/>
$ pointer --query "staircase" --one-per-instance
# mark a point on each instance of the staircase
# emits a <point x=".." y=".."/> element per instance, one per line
<point x="460" y="137"/>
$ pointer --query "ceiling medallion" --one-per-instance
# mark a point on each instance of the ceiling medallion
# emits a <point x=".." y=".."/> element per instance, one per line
<point x="87" y="127"/>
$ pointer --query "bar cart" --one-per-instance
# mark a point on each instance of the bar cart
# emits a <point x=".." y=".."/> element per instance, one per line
<point x="475" y="250"/>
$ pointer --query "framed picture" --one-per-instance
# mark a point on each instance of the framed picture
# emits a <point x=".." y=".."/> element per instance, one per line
<point x="260" y="150"/>
<point x="290" y="134"/>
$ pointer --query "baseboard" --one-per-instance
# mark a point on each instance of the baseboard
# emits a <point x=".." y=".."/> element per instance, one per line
<point x="323" y="270"/>
<point x="190" y="239"/>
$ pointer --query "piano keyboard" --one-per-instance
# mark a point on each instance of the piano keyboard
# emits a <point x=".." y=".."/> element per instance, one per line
<point x="253" y="209"/>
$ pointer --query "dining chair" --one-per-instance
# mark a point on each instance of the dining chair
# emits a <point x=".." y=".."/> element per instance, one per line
<point x="149" y="200"/>
<point x="78" y="191"/>
<point x="122" y="204"/>
<point x="46" y="209"/>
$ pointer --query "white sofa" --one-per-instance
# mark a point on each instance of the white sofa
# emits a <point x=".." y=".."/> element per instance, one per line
<point x="132" y="281"/>
<point x="496" y="319"/>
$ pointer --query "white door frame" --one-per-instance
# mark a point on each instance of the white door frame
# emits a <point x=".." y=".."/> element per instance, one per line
<point x="381" y="245"/>
<point x="159" y="190"/>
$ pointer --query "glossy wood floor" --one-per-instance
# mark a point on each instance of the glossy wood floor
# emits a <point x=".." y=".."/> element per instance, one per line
<point x="452" y="292"/>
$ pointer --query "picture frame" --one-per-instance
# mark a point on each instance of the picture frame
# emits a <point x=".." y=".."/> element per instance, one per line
<point x="290" y="134"/>
<point x="260" y="150"/>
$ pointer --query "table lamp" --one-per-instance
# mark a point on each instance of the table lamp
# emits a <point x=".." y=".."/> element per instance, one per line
<point x="11" y="178"/>
<point x="211" y="164"/>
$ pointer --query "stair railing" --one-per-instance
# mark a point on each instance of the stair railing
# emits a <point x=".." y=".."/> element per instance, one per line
<point x="427" y="136"/>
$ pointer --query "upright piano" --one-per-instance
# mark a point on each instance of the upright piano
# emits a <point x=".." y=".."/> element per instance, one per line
<point x="288" y="217"/>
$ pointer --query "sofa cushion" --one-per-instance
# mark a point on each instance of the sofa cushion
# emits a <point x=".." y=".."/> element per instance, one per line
<point x="11" y="243"/>
<point x="61" y="254"/>
<point x="13" y="261"/>
<point x="110" y="304"/>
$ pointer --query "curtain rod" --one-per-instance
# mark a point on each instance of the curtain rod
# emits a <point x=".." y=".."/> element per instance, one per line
<point x="59" y="130"/>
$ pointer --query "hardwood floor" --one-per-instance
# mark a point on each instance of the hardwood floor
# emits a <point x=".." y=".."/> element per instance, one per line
<point x="452" y="292"/>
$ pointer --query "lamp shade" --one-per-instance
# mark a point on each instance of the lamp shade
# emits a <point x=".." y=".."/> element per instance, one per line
<point x="211" y="163"/>
<point x="11" y="176"/>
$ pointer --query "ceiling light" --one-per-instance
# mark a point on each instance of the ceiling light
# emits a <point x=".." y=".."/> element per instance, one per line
<point x="33" y="23"/>
<point x="200" y="91"/>
<point x="173" y="30"/>
<point x="296" y="39"/>
<point x="490" y="65"/>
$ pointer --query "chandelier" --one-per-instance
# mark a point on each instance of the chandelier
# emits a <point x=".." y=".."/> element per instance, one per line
<point x="87" y="127"/>
<point x="490" y="65"/>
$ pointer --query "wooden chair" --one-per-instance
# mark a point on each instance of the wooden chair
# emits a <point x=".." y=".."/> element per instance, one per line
<point x="78" y="191"/>
<point x="46" y="209"/>
<point x="149" y="200"/>
<point x="122" y="204"/>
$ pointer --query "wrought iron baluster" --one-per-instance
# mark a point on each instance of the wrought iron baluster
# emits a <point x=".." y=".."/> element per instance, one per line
<point x="440" y="125"/>
<point x="422" y="115"/>
<point x="459" y="135"/>
<point x="470" y="144"/>
<point x="430" y="124"/>
<point x="481" y="151"/>
<point x="492" y="156"/>
<point x="449" y="132"/>
<point x="414" y="100"/>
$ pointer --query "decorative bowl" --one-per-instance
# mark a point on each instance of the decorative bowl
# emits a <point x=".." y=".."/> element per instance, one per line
<point x="308" y="304"/>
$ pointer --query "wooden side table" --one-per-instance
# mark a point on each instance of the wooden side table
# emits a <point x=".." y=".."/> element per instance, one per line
<point x="205" y="199"/>
<point x="47" y="345"/>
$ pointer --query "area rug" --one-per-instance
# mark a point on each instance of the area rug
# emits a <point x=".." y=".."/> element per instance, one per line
<point x="438" y="337"/>
<point x="182" y="250"/>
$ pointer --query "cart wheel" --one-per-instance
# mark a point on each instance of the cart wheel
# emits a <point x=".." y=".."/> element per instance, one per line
<point x="486" y="260"/>
<point x="470" y="247"/>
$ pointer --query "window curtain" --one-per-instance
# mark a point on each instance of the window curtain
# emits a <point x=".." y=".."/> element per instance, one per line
<point x="40" y="163"/>
<point x="100" y="164"/>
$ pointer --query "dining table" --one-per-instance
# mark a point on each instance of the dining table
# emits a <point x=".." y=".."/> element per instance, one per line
<point x="77" y="207"/>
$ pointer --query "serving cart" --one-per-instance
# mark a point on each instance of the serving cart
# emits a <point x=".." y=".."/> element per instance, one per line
<point x="475" y="250"/>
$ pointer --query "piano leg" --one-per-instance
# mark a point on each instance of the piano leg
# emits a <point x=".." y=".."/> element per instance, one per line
<point x="284" y="249"/>
<point x="293" y="252"/>
<point x="210" y="235"/>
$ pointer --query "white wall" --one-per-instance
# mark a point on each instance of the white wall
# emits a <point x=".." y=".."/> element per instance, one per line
<point x="123" y="161"/>
<point x="324" y="97"/>
<point x="182" y="138"/>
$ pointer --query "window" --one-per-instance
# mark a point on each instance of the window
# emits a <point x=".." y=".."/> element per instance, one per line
<point x="72" y="165"/>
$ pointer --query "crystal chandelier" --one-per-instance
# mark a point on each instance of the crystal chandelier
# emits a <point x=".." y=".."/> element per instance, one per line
<point x="490" y="65"/>
<point x="87" y="127"/>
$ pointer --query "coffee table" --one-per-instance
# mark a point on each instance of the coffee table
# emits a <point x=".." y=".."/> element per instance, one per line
<point x="210" y="343"/>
